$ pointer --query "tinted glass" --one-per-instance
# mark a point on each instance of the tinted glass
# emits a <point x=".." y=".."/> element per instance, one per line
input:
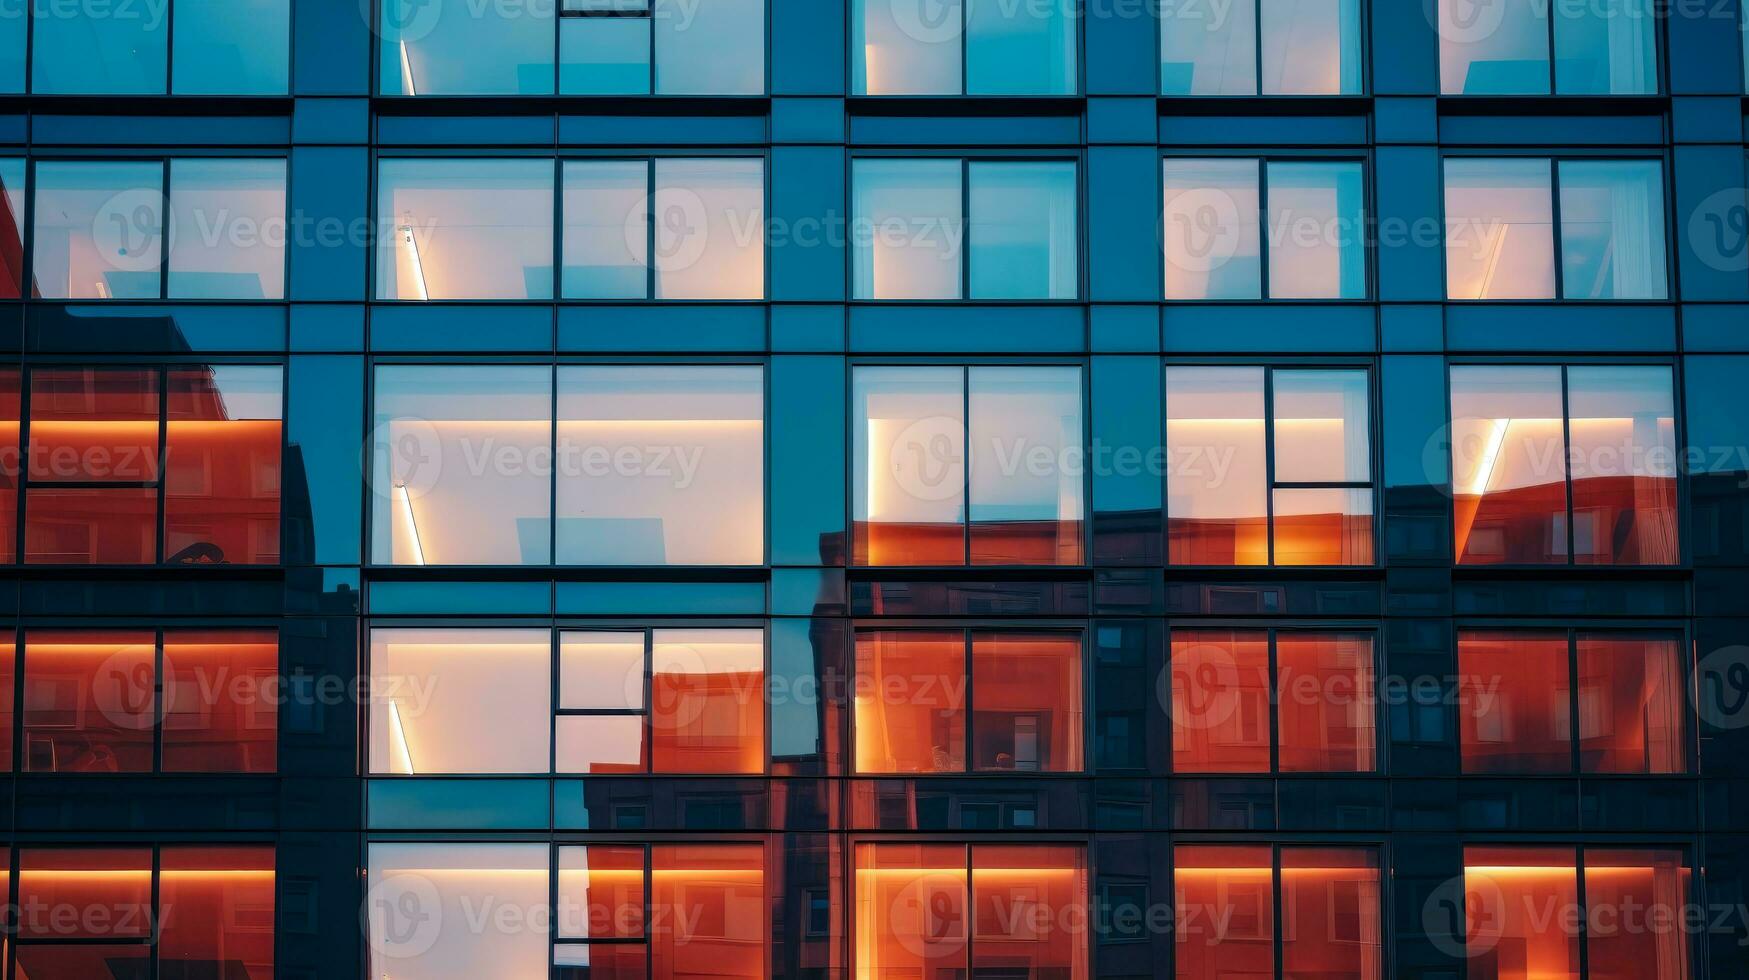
<point x="1217" y="484"/>
<point x="707" y="701"/>
<point x="217" y="908"/>
<point x="710" y="911"/>
<point x="1023" y="230"/>
<point x="1325" y="697"/>
<point x="711" y="48"/>
<point x="461" y="47"/>
<point x="1220" y="701"/>
<point x="909" y="482"/>
<point x="1493" y="47"/>
<point x="1311" y="47"/>
<point x="606" y="234"/>
<point x="906" y="47"/>
<point x="465" y="229"/>
<point x="1509" y="465"/>
<point x="1208" y="50"/>
<point x="89" y="701"/>
<point x="220" y="707"/>
<point x="908" y="229"/>
<point x="231" y="47"/>
<point x="456" y="701"/>
<point x="604" y="56"/>
<point x="458" y="879"/>
<point x="1225" y="920"/>
<point x="1330" y="914"/>
<point x="1514" y="691"/>
<point x="1623" y="458"/>
<point x="1499" y="230"/>
<point x="11" y="226"/>
<point x="1317" y="231"/>
<point x="99" y="49"/>
<point x="1027" y="698"/>
<point x="1020" y="49"/>
<point x="222" y="465"/>
<point x="1631" y="697"/>
<point x="1211" y="227"/>
<point x="710" y="236"/>
<point x="911" y="908"/>
<point x="112" y="887"/>
<point x="1026" y="484"/>
<point x="1612" y="229"/>
<point x="1606" y="47"/>
<point x="911" y="704"/>
<point x="227" y="229"/>
<point x="1506" y="890"/>
<point x="1654" y="881"/>
<point x="1051" y="882"/>
<point x="99" y="230"/>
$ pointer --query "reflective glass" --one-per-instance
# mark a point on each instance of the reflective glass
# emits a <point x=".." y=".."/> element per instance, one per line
<point x="910" y="702"/>
<point x="1321" y="429"/>
<point x="464" y="229"/>
<point x="1026" y="702"/>
<point x="1520" y="905"/>
<point x="84" y="893"/>
<point x="86" y="526"/>
<point x="1513" y="702"/>
<point x="909" y="480"/>
<point x="1311" y="47"/>
<point x="1624" y="461"/>
<point x="1606" y="47"/>
<point x="710" y="917"/>
<point x="14" y="39"/>
<point x="604" y="56"/>
<point x="93" y="425"/>
<point x="1612" y="229"/>
<point x="1217" y="480"/>
<point x="1023" y="230"/>
<point x="463" y="47"/>
<point x="1213" y="248"/>
<point x="1325" y="696"/>
<point x="707" y="701"/>
<point x="710" y="229"/>
<point x="99" y="48"/>
<point x="456" y="701"/>
<point x="1220" y="701"/>
<point x="711" y="48"/>
<point x="90" y="703"/>
<point x="1225" y="911"/>
<point x="1655" y="884"/>
<point x="906" y="47"/>
<point x="908" y="228"/>
<point x="911" y="907"/>
<point x="1499" y="229"/>
<point x="1207" y="49"/>
<point x="601" y="892"/>
<point x="1026" y="477"/>
<point x="1026" y="899"/>
<point x="1330" y="914"/>
<point x="457" y="881"/>
<point x="600" y="744"/>
<point x="222" y="465"/>
<point x="601" y="670"/>
<point x="231" y="47"/>
<point x="1509" y="464"/>
<point x="1631" y="697"/>
<point x="1317" y="231"/>
<point x="221" y="711"/>
<point x="606" y="233"/>
<point x="1493" y="47"/>
<point x="1020" y="49"/>
<point x="216" y="905"/>
<point x="227" y="229"/>
<point x="11" y="225"/>
<point x="98" y="228"/>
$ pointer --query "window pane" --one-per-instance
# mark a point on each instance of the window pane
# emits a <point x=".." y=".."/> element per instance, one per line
<point x="462" y="473"/>
<point x="1212" y="237"/>
<point x="1026" y="473"/>
<point x="461" y="879"/>
<point x="1499" y="229"/>
<point x="89" y="701"/>
<point x="601" y="744"/>
<point x="1220" y="701"/>
<point x="227" y="229"/>
<point x="1317" y="226"/>
<point x="1631" y="693"/>
<point x="1225" y="913"/>
<point x="910" y="465"/>
<point x="84" y="962"/>
<point x="1217" y="473"/>
<point x="606" y="234"/>
<point x="91" y="527"/>
<point x="220" y="701"/>
<point x="1493" y="47"/>
<point x="906" y="47"/>
<point x="11" y="226"/>
<point x="459" y="701"/>
<point x="1324" y="686"/>
<point x="1509" y="894"/>
<point x="8" y="705"/>
<point x="91" y="426"/>
<point x="1208" y="50"/>
<point x="463" y="47"/>
<point x="98" y="228"/>
<point x="908" y="229"/>
<point x="1612" y="230"/>
<point x="84" y="893"/>
<point x="14" y="31"/>
<point x="1311" y="47"/>
<point x="910" y="702"/>
<point x="1026" y="902"/>
<point x="710" y="235"/>
<point x="222" y="465"/>
<point x="231" y="47"/>
<point x="910" y="910"/>
<point x="661" y="465"/>
<point x="715" y="48"/>
<point x="603" y="671"/>
<point x="1606" y="47"/>
<point x="1509" y="467"/>
<point x="707" y="701"/>
<point x="1020" y="49"/>
<point x="1623" y="431"/>
<point x="1023" y="230"/>
<point x="710" y="915"/>
<point x="217" y="908"/>
<point x="604" y="56"/>
<point x="465" y="229"/>
<point x="1654" y="884"/>
<point x="601" y="892"/>
<point x="1323" y="527"/>
<point x="99" y="49"/>
<point x="1026" y="708"/>
<point x="1330" y="914"/>
<point x="11" y="465"/>
<point x="1514" y="704"/>
<point x="1321" y="429"/>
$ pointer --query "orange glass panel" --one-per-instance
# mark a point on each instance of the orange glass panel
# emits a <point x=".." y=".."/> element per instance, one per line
<point x="909" y="484"/>
<point x="1631" y="697"/>
<point x="89" y="701"/>
<point x="1509" y="465"/>
<point x="91" y="526"/>
<point x="1326" y="698"/>
<point x="1624" y="465"/>
<point x="1514" y="702"/>
<point x="1636" y="902"/>
<point x="1323" y="527"/>
<point x="222" y="476"/>
<point x="910" y="911"/>
<point x="1220" y="701"/>
<point x="1225" y="913"/>
<point x="84" y="893"/>
<point x="216" y="905"/>
<point x="711" y="915"/>
<point x="100" y="962"/>
<point x="10" y="465"/>
<point x="1026" y="484"/>
<point x="601" y="893"/>
<point x="707" y="694"/>
<point x="1026" y="702"/>
<point x="910" y="702"/>
<point x="1217" y="471"/>
<point x="601" y="961"/>
<point x="220" y="710"/>
<point x="1027" y="903"/>
<point x="1330" y="914"/>
<point x="94" y="425"/>
<point x="1521" y="906"/>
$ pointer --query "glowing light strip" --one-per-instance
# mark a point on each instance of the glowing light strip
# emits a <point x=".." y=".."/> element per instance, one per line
<point x="412" y="246"/>
<point x="407" y="72"/>
<point x="406" y="502"/>
<point x="1490" y="456"/>
<point x="398" y="734"/>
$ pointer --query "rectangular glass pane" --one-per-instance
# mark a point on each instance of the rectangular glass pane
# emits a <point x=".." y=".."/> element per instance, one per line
<point x="1509" y="465"/>
<point x="603" y="671"/>
<point x="1624" y="462"/>
<point x="1207" y="49"/>
<point x="1311" y="47"/>
<point x="1225" y="921"/>
<point x="906" y="47"/>
<point x="1612" y="229"/>
<point x="455" y="881"/>
<point x="710" y="229"/>
<point x="1326" y="697"/>
<point x="1606" y="47"/>
<point x="1026" y="473"/>
<point x="1513" y="702"/>
<point x="909" y="479"/>
<point x="99" y="49"/>
<point x="910" y="707"/>
<point x="1024" y="232"/>
<point x="89" y="701"/>
<point x="601" y="892"/>
<point x="1025" y="900"/>
<point x="707" y="701"/>
<point x="227" y="229"/>
<point x="1321" y="429"/>
<point x="91" y="426"/>
<point x="462" y="471"/>
<point x="604" y="56"/>
<point x="8" y="706"/>
<point x="1655" y="884"/>
<point x="1220" y="701"/>
<point x="110" y="889"/>
<point x="11" y="464"/>
<point x="908" y="228"/>
<point x="710" y="916"/>
<point x="1493" y="47"/>
<point x="14" y="40"/>
<point x="99" y="229"/>
<point x="97" y="961"/>
<point x="1212" y="230"/>
<point x="1508" y="893"/>
<point x="1217" y="480"/>
<point x="611" y="744"/>
<point x="91" y="526"/>
<point x="715" y="48"/>
<point x="1631" y="697"/>
<point x="221" y="711"/>
<point x="11" y="228"/>
<point x="1330" y="910"/>
<point x="1020" y="49"/>
<point x="457" y="701"/>
<point x="465" y="229"/>
<point x="910" y="906"/>
<point x="222" y="465"/>
<point x="463" y="47"/>
<point x="1317" y="231"/>
<point x="1026" y="702"/>
<point x="1323" y="526"/>
<point x="217" y="907"/>
<point x="606" y="234"/>
<point x="231" y="47"/>
<point x="1499" y="230"/>
<point x="661" y="465"/>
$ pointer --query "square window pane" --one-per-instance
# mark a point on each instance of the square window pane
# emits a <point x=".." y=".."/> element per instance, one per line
<point x="707" y="701"/>
<point x="77" y="526"/>
<point x="711" y="918"/>
<point x="1624" y="460"/>
<point x="222" y="465"/>
<point x="461" y="879"/>
<point x="710" y="229"/>
<point x="909" y="480"/>
<point x="457" y="701"/>
<point x="1656" y="884"/>
<point x="11" y="226"/>
<point x="463" y="47"/>
<point x="908" y="228"/>
<point x="604" y="56"/>
<point x="1211" y="226"/>
<point x="1325" y="692"/>
<point x="1026" y="702"/>
<point x="1499" y="230"/>
<point x="1321" y="429"/>
<point x="1220" y="701"/>
<point x="1513" y="702"/>
<point x="911" y="907"/>
<point x="89" y="701"/>
<point x="1331" y="913"/>
<point x="588" y="744"/>
<point x="1217" y="502"/>
<point x="607" y="232"/>
<point x="1631" y="697"/>
<point x="221" y="711"/>
<point x="1207" y="49"/>
<point x="603" y="670"/>
<point x="227" y="229"/>
<point x="1612" y="229"/>
<point x="1024" y="230"/>
<point x="465" y="229"/>
<point x="1506" y="890"/>
<point x="89" y="426"/>
<point x="99" y="229"/>
<point x="910" y="708"/>
<point x="1026" y="898"/>
<point x="1606" y="47"/>
<point x="217" y="906"/>
<point x="1493" y="47"/>
<point x="1020" y="49"/>
<point x="1311" y="47"/>
<point x="99" y="49"/>
<point x="1323" y="526"/>
<point x="715" y="48"/>
<point x="1509" y="465"/>
<point x="84" y="893"/>
<point x="1232" y="888"/>
<point x="1026" y="475"/>
<point x="906" y="47"/>
<point x="1317" y="231"/>
<point x="231" y="47"/>
<point x="601" y="892"/>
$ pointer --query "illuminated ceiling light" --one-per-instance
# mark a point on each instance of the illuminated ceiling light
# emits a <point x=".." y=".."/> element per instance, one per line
<point x="1490" y="456"/>
<point x="407" y="72"/>
<point x="398" y="738"/>
<point x="406" y="508"/>
<point x="411" y="245"/>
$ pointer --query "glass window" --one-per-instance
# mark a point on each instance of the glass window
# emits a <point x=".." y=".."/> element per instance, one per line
<point x="1322" y="498"/>
<point x="14" y="31"/>
<point x="1231" y="931"/>
<point x="464" y="229"/>
<point x="89" y="701"/>
<point x="1227" y="910"/>
<point x="1023" y="229"/>
<point x="1026" y="483"/>
<point x="1656" y="880"/>
<point x="1026" y="702"/>
<point x="1515" y="692"/>
<point x="99" y="49"/>
<point x="1607" y="47"/>
<point x="607" y="225"/>
<point x="11" y="225"/>
<point x="1612" y="229"/>
<point x="910" y="702"/>
<point x="1499" y="229"/>
<point x="601" y="892"/>
<point x="709" y="224"/>
<point x="909" y="228"/>
<point x="231" y="47"/>
<point x="1211" y="227"/>
<point x="605" y="55"/>
<point x="1631" y="693"/>
<point x="216" y="906"/>
<point x="1220" y="701"/>
<point x="1020" y="49"/>
<point x="460" y="47"/>
<point x="1308" y="47"/>
<point x="1622" y="435"/>
<point x="99" y="227"/>
<point x="907" y="47"/>
<point x="1330" y="913"/>
<point x="1325" y="698"/>
<point x="414" y="886"/>
<point x="909" y="484"/>
<point x="1317" y="227"/>
<point x="710" y="48"/>
<point x="220" y="701"/>
<point x="450" y="701"/>
<point x="1203" y="53"/>
<point x="1217" y="496"/>
<point x="227" y="229"/>
<point x="222" y="464"/>
<point x="975" y="47"/>
<point x="111" y="886"/>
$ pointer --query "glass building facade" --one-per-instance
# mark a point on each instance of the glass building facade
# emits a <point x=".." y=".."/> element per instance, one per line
<point x="874" y="489"/>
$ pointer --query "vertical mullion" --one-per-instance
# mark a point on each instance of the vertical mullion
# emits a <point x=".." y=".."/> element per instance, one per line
<point x="553" y="478"/>
<point x="971" y="914"/>
<point x="554" y="699"/>
<point x="965" y="47"/>
<point x="650" y="17"/>
<point x="159" y="702"/>
<point x="1276" y="942"/>
<point x="650" y="224"/>
<point x="1567" y="459"/>
<point x="1584" y="911"/>
<point x="1555" y="231"/>
<point x="153" y="918"/>
<point x="1257" y="43"/>
<point x="22" y="479"/>
<point x="558" y="229"/>
<point x="553" y="916"/>
<point x="1263" y="256"/>
<point x="965" y="290"/>
<point x="16" y="723"/>
<point x="170" y="49"/>
<point x="164" y="231"/>
<point x="649" y="722"/>
<point x="1274" y="707"/>
<point x="1269" y="463"/>
<point x="649" y="909"/>
<point x="1553" y="70"/>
